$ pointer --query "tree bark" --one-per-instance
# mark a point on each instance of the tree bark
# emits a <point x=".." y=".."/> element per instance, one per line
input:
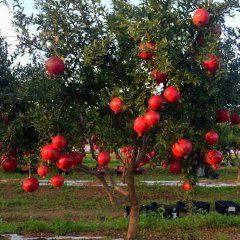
<point x="134" y="212"/>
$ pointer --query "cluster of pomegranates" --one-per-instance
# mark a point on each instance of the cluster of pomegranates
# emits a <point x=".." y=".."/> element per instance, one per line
<point x="54" y="152"/>
<point x="213" y="157"/>
<point x="224" y="116"/>
<point x="200" y="19"/>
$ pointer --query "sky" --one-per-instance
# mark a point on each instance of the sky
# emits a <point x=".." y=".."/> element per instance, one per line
<point x="7" y="30"/>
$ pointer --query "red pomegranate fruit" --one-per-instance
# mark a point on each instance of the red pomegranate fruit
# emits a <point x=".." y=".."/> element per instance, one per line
<point x="9" y="164"/>
<point x="59" y="141"/>
<point x="175" y="167"/>
<point x="103" y="158"/>
<point x="146" y="159"/>
<point x="211" y="64"/>
<point x="186" y="186"/>
<point x="42" y="171"/>
<point x="117" y="105"/>
<point x="160" y="77"/>
<point x="156" y="102"/>
<point x="57" y="181"/>
<point x="140" y="126"/>
<point x="214" y="157"/>
<point x="54" y="66"/>
<point x="77" y="157"/>
<point x="211" y="137"/>
<point x="201" y="17"/>
<point x="65" y="162"/>
<point x="151" y="118"/>
<point x="30" y="184"/>
<point x="171" y="94"/>
<point x="182" y="148"/>
<point x="223" y="115"/>
<point x="147" y="50"/>
<point x="235" y="119"/>
<point x="49" y="153"/>
<point x="94" y="138"/>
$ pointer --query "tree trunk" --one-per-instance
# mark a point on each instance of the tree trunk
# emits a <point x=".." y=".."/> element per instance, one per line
<point x="134" y="212"/>
<point x="238" y="177"/>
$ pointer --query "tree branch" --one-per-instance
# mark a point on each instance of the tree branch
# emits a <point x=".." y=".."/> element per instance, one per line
<point x="115" y="186"/>
<point x="143" y="151"/>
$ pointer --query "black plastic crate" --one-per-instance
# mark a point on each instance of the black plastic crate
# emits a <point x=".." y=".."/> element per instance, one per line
<point x="227" y="207"/>
<point x="167" y="210"/>
<point x="197" y="206"/>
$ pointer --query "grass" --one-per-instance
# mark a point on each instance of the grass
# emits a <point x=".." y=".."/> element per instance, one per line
<point x="86" y="209"/>
<point x="150" y="222"/>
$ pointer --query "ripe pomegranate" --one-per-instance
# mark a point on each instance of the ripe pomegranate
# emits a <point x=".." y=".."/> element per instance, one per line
<point x="223" y="115"/>
<point x="182" y="148"/>
<point x="95" y="146"/>
<point x="160" y="77"/>
<point x="30" y="184"/>
<point x="151" y="118"/>
<point x="140" y="126"/>
<point x="153" y="153"/>
<point x="147" y="50"/>
<point x="235" y="119"/>
<point x="94" y="138"/>
<point x="49" y="153"/>
<point x="186" y="186"/>
<point x="77" y="157"/>
<point x="211" y="64"/>
<point x="6" y="120"/>
<point x="103" y="158"/>
<point x="171" y="94"/>
<point x="42" y="171"/>
<point x="201" y="17"/>
<point x="123" y="150"/>
<point x="65" y="162"/>
<point x="163" y="164"/>
<point x="57" y="181"/>
<point x="59" y="141"/>
<point x="146" y="159"/>
<point x="9" y="164"/>
<point x="117" y="105"/>
<point x="54" y="66"/>
<point x="175" y="167"/>
<point x="156" y="102"/>
<point x="214" y="157"/>
<point x="211" y="137"/>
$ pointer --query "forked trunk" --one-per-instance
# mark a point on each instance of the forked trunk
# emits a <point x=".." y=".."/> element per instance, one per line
<point x="238" y="177"/>
<point x="134" y="212"/>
